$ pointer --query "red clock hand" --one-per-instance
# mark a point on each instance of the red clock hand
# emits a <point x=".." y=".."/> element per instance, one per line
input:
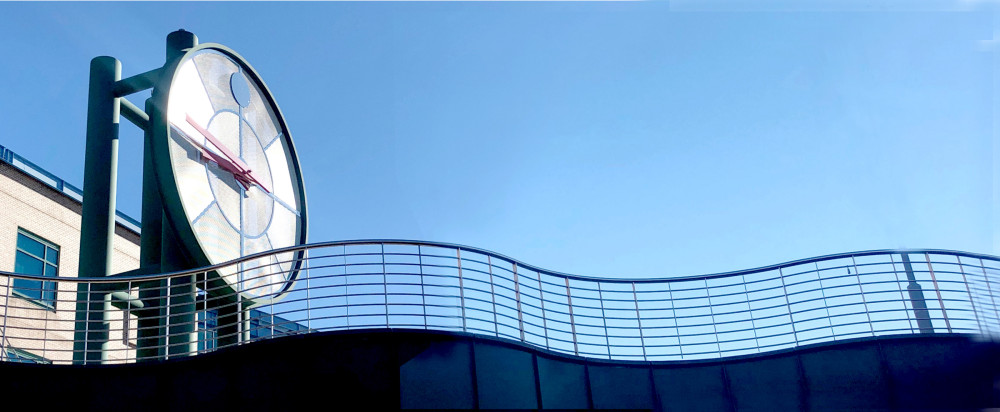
<point x="225" y="150"/>
<point x="223" y="163"/>
<point x="240" y="170"/>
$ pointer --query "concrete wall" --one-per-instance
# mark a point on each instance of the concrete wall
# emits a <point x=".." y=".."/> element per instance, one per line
<point x="439" y="370"/>
<point x="30" y="205"/>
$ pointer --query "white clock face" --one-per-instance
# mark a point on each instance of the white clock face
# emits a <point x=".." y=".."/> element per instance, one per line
<point x="236" y="175"/>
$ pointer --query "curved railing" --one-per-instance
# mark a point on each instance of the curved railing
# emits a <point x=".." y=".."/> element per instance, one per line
<point x="424" y="285"/>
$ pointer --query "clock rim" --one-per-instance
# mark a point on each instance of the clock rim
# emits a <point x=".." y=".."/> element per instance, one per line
<point x="167" y="184"/>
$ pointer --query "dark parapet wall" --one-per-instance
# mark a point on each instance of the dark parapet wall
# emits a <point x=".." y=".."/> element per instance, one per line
<point x="440" y="370"/>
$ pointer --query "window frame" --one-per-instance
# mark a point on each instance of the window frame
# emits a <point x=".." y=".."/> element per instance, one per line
<point x="46" y="286"/>
<point x="18" y="355"/>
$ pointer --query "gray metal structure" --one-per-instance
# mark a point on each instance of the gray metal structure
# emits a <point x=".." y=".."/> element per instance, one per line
<point x="394" y="284"/>
<point x="168" y="241"/>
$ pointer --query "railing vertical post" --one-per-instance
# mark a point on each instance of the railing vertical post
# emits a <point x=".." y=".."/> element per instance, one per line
<point x="166" y="340"/>
<point x="826" y="305"/>
<point x="711" y="313"/>
<point x="541" y="300"/>
<point x="347" y="295"/>
<point x="423" y="295"/>
<point x="385" y="284"/>
<point x="604" y="319"/>
<point x="244" y="319"/>
<point x="972" y="300"/>
<point x="461" y="286"/>
<point x="788" y="307"/>
<point x="493" y="296"/>
<point x="86" y="327"/>
<point x="3" y="328"/>
<point x="272" y="319"/>
<point x="308" y="274"/>
<point x="937" y="289"/>
<point x="204" y="334"/>
<point x="517" y="295"/>
<point x="753" y="325"/>
<point x="127" y="323"/>
<point x="989" y="290"/>
<point x="861" y="291"/>
<point x="572" y="320"/>
<point x="638" y="318"/>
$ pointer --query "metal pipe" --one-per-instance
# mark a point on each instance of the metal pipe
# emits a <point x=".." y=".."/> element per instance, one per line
<point x="134" y="114"/>
<point x="97" y="225"/>
<point x="137" y="83"/>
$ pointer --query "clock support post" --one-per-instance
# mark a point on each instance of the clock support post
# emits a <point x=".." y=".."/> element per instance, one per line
<point x="97" y="226"/>
<point x="167" y="310"/>
<point x="163" y="330"/>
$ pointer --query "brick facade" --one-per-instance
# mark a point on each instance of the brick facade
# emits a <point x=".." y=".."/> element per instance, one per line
<point x="30" y="205"/>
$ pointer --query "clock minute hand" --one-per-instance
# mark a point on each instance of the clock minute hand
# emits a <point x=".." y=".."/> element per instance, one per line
<point x="222" y="162"/>
<point x="225" y="150"/>
<point x="244" y="171"/>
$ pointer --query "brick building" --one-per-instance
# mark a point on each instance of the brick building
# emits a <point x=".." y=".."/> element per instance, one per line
<point x="40" y="234"/>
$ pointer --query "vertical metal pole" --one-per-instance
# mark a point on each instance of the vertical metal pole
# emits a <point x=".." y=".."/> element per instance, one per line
<point x="227" y="321"/>
<point x="826" y="305"/>
<point x="423" y="296"/>
<point x="517" y="296"/>
<point x="305" y="256"/>
<point x="347" y="294"/>
<point x="972" y="301"/>
<point x="86" y="328"/>
<point x="753" y="326"/>
<point x="461" y="286"/>
<point x="861" y="291"/>
<point x="642" y="338"/>
<point x="106" y="310"/>
<point x="385" y="284"/>
<point x="541" y="302"/>
<point x="604" y="319"/>
<point x="493" y="296"/>
<point x="97" y="227"/>
<point x="572" y="321"/>
<point x="127" y="323"/>
<point x="3" y="329"/>
<point x="989" y="289"/>
<point x="937" y="289"/>
<point x="788" y="307"/>
<point x="168" y="314"/>
<point x="151" y="320"/>
<point x="182" y="333"/>
<point x="711" y="313"/>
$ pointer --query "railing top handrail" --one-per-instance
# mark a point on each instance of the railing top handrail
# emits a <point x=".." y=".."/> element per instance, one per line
<point x="319" y="245"/>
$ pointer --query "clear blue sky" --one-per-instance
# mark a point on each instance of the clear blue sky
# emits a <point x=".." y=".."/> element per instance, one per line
<point x="604" y="139"/>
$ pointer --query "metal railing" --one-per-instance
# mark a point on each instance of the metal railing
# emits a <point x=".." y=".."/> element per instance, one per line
<point x="424" y="285"/>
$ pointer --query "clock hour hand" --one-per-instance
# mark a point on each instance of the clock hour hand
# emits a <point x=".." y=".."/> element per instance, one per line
<point x="222" y="162"/>
<point x="240" y="170"/>
<point x="225" y="150"/>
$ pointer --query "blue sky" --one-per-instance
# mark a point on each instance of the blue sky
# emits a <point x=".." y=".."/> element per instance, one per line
<point x="603" y="139"/>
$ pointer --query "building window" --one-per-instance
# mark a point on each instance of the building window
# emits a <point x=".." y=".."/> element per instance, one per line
<point x="36" y="256"/>
<point x="16" y="355"/>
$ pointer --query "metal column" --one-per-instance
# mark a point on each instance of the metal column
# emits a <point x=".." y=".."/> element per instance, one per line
<point x="97" y="228"/>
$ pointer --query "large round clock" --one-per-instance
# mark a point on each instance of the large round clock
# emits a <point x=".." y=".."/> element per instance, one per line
<point x="229" y="176"/>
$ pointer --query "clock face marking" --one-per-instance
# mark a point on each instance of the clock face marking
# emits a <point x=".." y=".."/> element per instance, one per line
<point x="238" y="185"/>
